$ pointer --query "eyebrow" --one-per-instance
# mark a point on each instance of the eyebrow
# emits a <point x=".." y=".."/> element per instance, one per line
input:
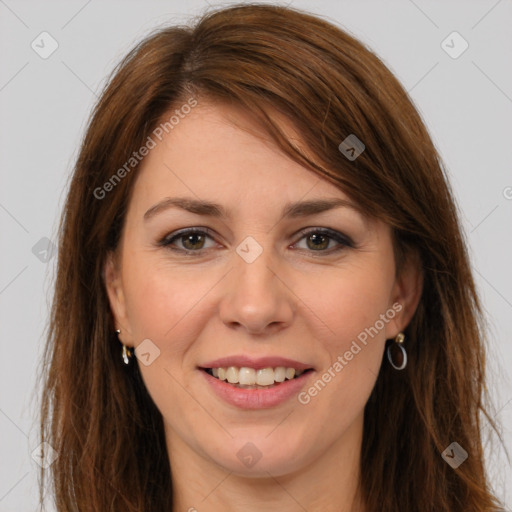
<point x="291" y="210"/>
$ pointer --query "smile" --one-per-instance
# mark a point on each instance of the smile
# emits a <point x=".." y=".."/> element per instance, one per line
<point x="255" y="396"/>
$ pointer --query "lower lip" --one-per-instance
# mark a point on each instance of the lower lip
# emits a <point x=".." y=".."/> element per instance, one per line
<point x="257" y="398"/>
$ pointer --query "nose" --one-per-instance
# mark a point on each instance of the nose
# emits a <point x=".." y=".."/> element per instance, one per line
<point x="256" y="297"/>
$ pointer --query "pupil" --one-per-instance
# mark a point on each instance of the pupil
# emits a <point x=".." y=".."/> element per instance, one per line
<point x="191" y="237"/>
<point x="316" y="238"/>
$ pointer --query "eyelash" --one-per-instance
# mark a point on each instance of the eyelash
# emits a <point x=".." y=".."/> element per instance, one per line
<point x="343" y="240"/>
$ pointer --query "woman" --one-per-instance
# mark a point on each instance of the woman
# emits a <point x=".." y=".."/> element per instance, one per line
<point x="263" y="299"/>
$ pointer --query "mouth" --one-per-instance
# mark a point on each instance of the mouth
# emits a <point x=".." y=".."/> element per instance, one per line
<point x="256" y="378"/>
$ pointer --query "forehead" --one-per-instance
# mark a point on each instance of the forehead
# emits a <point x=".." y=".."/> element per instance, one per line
<point x="220" y="154"/>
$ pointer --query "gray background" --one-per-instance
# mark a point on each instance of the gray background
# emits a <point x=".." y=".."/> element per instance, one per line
<point x="465" y="101"/>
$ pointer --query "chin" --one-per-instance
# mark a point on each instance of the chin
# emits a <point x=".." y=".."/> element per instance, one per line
<point x="261" y="454"/>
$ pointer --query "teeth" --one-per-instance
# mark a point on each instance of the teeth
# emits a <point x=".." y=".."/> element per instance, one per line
<point x="247" y="377"/>
<point x="232" y="375"/>
<point x="250" y="377"/>
<point x="280" y="374"/>
<point x="265" y="377"/>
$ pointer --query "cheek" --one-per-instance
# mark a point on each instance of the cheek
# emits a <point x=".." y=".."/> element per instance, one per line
<point x="351" y="303"/>
<point x="159" y="298"/>
<point x="354" y="309"/>
<point x="344" y="311"/>
<point x="163" y="304"/>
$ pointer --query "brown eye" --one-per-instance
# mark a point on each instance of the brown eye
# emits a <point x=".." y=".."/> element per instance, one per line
<point x="320" y="240"/>
<point x="192" y="241"/>
<point x="187" y="240"/>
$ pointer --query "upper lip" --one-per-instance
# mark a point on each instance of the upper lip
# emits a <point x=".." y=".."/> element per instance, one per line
<point x="256" y="362"/>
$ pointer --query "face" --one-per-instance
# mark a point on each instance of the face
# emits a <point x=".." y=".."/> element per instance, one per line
<point x="314" y="290"/>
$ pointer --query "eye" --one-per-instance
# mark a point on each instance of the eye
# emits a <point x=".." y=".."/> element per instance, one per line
<point x="319" y="239"/>
<point x="193" y="240"/>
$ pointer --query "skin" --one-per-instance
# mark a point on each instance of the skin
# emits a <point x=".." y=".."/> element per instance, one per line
<point x="293" y="301"/>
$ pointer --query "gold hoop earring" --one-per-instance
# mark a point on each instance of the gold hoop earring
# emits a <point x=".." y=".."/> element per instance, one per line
<point x="127" y="352"/>
<point x="402" y="355"/>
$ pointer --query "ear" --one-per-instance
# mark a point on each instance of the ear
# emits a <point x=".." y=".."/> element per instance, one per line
<point x="406" y="294"/>
<point x="116" y="297"/>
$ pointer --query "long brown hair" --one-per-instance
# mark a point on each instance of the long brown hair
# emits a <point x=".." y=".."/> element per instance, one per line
<point x="98" y="415"/>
